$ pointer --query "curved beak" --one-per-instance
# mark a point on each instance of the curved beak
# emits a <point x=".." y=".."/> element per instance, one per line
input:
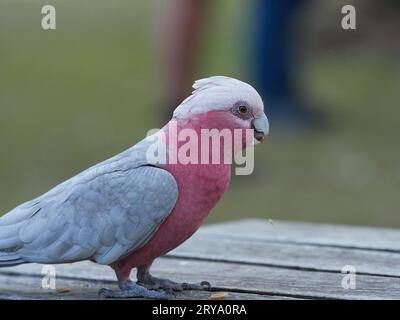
<point x="261" y="127"/>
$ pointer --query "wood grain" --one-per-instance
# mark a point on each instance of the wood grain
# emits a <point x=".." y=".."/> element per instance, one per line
<point x="250" y="259"/>
<point x="380" y="239"/>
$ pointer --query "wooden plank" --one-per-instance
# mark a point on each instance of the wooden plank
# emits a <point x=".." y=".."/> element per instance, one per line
<point x="26" y="284"/>
<point x="243" y="278"/>
<point x="29" y="288"/>
<point x="251" y="259"/>
<point x="223" y="247"/>
<point x="384" y="239"/>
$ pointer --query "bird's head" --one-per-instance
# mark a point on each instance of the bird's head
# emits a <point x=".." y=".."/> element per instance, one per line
<point x="225" y="103"/>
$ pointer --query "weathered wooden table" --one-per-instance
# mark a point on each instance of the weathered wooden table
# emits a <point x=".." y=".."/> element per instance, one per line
<point x="248" y="259"/>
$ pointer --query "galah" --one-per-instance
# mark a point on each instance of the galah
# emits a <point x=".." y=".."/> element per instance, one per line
<point x="127" y="211"/>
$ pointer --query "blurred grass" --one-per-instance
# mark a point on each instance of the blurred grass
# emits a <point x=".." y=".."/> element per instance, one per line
<point x="75" y="96"/>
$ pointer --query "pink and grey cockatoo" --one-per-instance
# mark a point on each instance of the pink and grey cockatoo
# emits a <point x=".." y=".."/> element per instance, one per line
<point x="126" y="211"/>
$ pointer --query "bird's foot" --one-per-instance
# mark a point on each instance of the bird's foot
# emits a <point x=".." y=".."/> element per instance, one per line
<point x="153" y="283"/>
<point x="132" y="290"/>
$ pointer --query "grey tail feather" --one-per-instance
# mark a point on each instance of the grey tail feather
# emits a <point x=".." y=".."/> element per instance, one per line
<point x="10" y="259"/>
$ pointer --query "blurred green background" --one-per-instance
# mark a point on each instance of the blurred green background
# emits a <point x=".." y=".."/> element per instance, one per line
<point x="72" y="97"/>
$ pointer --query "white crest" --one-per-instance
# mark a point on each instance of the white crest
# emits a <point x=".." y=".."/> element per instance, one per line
<point x="218" y="93"/>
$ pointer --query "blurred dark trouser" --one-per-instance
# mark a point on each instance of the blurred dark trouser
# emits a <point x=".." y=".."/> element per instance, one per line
<point x="271" y="58"/>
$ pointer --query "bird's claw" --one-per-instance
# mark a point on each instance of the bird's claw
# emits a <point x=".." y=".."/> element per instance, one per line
<point x="105" y="293"/>
<point x="169" y="286"/>
<point x="132" y="290"/>
<point x="204" y="285"/>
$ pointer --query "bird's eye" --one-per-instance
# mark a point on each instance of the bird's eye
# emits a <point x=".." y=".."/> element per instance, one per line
<point x="243" y="109"/>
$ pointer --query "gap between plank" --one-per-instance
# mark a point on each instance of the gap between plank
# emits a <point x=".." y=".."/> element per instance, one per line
<point x="294" y="242"/>
<point x="213" y="289"/>
<point x="278" y="266"/>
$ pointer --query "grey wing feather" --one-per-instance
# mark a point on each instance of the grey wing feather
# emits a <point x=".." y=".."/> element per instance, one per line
<point x="103" y="214"/>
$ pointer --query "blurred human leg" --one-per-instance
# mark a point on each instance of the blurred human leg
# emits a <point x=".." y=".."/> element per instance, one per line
<point x="181" y="33"/>
<point x="272" y="66"/>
